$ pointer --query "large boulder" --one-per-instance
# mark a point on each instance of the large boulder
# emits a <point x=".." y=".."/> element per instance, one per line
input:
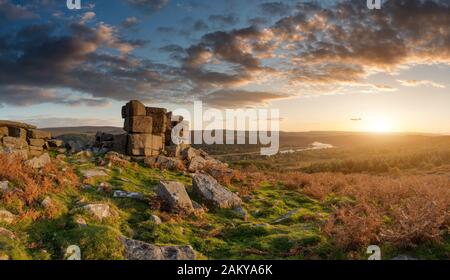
<point x="189" y="153"/>
<point x="36" y="142"/>
<point x="215" y="195"/>
<point x="196" y="164"/>
<point x="169" y="163"/>
<point x="17" y="132"/>
<point x="174" y="197"/>
<point x="138" y="124"/>
<point x="39" y="162"/>
<point x="133" y="108"/>
<point x="138" y="250"/>
<point x="4" y="131"/>
<point x="39" y="134"/>
<point x="144" y="145"/>
<point x="4" y="123"/>
<point x="15" y="143"/>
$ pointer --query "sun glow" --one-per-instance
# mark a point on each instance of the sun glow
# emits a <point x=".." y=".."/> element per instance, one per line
<point x="380" y="125"/>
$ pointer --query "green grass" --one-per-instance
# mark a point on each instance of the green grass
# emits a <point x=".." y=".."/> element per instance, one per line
<point x="218" y="234"/>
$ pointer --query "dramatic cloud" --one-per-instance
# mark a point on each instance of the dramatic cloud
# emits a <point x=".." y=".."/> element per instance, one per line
<point x="239" y="98"/>
<point x="416" y="83"/>
<point x="224" y="20"/>
<point x="275" y="8"/>
<point x="149" y="6"/>
<point x="130" y="22"/>
<point x="9" y="11"/>
<point x="70" y="69"/>
<point x="309" y="49"/>
<point x="87" y="17"/>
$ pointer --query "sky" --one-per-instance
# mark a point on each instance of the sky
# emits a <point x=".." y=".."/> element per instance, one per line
<point x="325" y="65"/>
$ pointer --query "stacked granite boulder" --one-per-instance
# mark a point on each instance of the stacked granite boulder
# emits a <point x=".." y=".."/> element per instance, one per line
<point x="24" y="139"/>
<point x="148" y="132"/>
<point x="146" y="129"/>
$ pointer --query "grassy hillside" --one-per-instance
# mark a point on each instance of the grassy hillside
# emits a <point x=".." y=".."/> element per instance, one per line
<point x="322" y="204"/>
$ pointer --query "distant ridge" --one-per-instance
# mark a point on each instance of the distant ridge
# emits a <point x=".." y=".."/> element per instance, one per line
<point x="88" y="130"/>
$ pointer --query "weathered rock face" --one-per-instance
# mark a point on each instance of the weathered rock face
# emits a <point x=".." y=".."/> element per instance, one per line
<point x="139" y="124"/>
<point x="24" y="140"/>
<point x="138" y="250"/>
<point x="144" y="145"/>
<point x="147" y="130"/>
<point x="39" y="134"/>
<point x="133" y="108"/>
<point x="174" y="197"/>
<point x="215" y="195"/>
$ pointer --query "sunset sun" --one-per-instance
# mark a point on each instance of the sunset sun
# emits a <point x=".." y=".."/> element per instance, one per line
<point x="380" y="125"/>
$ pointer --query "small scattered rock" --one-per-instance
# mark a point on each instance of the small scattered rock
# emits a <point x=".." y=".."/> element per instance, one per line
<point x="104" y="187"/>
<point x="174" y="197"/>
<point x="7" y="217"/>
<point x="286" y="217"/>
<point x="91" y="173"/>
<point x="4" y="186"/>
<point x="81" y="222"/>
<point x="61" y="157"/>
<point x="150" y="161"/>
<point x="198" y="208"/>
<point x="241" y="212"/>
<point x="100" y="211"/>
<point x="138" y="250"/>
<point x="86" y="154"/>
<point x="213" y="193"/>
<point x="87" y="187"/>
<point x="264" y="225"/>
<point x="7" y="233"/>
<point x="133" y="195"/>
<point x="155" y="219"/>
<point x="47" y="202"/>
<point x="39" y="162"/>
